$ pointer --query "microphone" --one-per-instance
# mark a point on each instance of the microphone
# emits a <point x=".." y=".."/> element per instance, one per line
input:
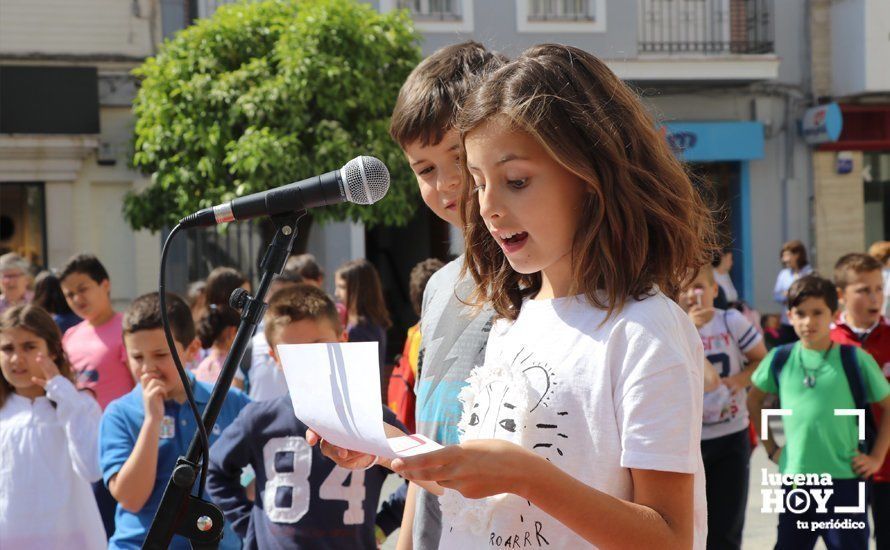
<point x="362" y="180"/>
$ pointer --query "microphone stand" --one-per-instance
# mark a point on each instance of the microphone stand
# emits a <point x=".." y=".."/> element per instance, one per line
<point x="180" y="512"/>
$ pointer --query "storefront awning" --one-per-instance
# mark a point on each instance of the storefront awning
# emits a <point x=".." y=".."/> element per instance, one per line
<point x="866" y="127"/>
<point x="715" y="141"/>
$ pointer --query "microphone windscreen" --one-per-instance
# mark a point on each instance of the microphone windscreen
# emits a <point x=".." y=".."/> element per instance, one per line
<point x="366" y="180"/>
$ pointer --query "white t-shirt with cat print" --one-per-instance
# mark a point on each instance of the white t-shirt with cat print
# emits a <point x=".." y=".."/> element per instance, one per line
<point x="596" y="400"/>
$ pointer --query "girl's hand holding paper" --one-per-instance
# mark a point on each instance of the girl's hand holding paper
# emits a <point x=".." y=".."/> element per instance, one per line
<point x="335" y="389"/>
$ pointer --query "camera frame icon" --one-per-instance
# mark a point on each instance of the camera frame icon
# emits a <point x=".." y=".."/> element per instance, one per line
<point x="801" y="504"/>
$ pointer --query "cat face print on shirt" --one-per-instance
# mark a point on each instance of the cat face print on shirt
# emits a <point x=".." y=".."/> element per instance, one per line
<point x="510" y="399"/>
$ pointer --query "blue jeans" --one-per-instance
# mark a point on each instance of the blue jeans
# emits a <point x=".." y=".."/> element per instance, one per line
<point x="880" y="502"/>
<point x="727" y="468"/>
<point x="794" y="536"/>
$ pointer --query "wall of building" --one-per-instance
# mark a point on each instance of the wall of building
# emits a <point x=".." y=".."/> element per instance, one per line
<point x="859" y="42"/>
<point x="779" y="204"/>
<point x="335" y="243"/>
<point x="84" y="198"/>
<point x="839" y="212"/>
<point x="85" y="215"/>
<point x="88" y="27"/>
<point x="496" y="24"/>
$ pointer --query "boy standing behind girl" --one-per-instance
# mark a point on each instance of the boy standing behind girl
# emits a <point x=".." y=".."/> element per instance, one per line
<point x="734" y="347"/>
<point x="94" y="346"/>
<point x="453" y="334"/>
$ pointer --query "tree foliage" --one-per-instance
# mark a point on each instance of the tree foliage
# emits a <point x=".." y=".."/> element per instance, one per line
<point x="265" y="93"/>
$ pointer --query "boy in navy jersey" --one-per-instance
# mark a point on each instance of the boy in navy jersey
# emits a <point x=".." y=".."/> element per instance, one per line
<point x="303" y="500"/>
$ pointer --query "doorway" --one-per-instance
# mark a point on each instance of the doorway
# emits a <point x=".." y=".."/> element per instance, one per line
<point x="23" y="221"/>
<point x="721" y="184"/>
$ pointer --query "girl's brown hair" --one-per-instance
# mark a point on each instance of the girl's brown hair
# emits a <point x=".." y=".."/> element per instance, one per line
<point x="220" y="284"/>
<point x="37" y="321"/>
<point x="648" y="228"/>
<point x="798" y="248"/>
<point x="364" y="293"/>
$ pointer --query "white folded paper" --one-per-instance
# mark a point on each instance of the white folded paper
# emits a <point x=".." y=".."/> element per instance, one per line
<point x="335" y="389"/>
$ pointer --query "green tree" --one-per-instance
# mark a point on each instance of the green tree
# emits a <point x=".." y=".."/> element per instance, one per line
<point x="264" y="93"/>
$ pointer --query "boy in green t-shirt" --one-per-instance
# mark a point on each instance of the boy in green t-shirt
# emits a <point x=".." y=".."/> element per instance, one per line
<point x="813" y="384"/>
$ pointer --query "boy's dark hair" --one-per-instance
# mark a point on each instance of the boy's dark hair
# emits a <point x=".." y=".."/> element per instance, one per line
<point x="429" y="99"/>
<point x="812" y="286"/>
<point x="796" y="247"/>
<point x="855" y="262"/>
<point x="144" y="313"/>
<point x="296" y="303"/>
<point x="420" y="276"/>
<point x="719" y="254"/>
<point x="288" y="276"/>
<point x="306" y="266"/>
<point x="86" y="264"/>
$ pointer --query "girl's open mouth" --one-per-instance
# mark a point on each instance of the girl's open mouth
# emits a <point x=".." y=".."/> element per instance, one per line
<point x="511" y="242"/>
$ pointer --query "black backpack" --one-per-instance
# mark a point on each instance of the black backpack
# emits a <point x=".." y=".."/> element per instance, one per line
<point x="853" y="371"/>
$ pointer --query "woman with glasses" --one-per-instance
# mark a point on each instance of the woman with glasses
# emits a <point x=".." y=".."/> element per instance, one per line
<point x="15" y="278"/>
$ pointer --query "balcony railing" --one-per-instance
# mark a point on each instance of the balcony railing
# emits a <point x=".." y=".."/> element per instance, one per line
<point x="433" y="10"/>
<point x="561" y="10"/>
<point x="708" y="27"/>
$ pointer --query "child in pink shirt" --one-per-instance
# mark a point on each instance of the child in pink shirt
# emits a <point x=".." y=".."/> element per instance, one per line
<point x="95" y="346"/>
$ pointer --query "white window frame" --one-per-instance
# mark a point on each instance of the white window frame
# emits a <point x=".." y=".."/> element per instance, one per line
<point x="523" y="25"/>
<point x="465" y="24"/>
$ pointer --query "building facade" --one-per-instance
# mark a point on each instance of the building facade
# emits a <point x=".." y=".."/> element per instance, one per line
<point x="851" y="171"/>
<point x="726" y="88"/>
<point x="728" y="82"/>
<point x="65" y="129"/>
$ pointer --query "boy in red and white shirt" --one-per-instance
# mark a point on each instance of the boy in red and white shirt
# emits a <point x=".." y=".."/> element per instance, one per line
<point x="860" y="287"/>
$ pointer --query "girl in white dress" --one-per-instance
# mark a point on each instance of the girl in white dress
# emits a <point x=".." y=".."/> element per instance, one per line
<point x="48" y="440"/>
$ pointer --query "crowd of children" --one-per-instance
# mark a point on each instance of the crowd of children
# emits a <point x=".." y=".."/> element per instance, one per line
<point x="593" y="377"/>
<point x="93" y="418"/>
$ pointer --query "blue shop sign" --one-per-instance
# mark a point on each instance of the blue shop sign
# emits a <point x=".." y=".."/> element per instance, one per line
<point x="822" y="124"/>
<point x="715" y="141"/>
